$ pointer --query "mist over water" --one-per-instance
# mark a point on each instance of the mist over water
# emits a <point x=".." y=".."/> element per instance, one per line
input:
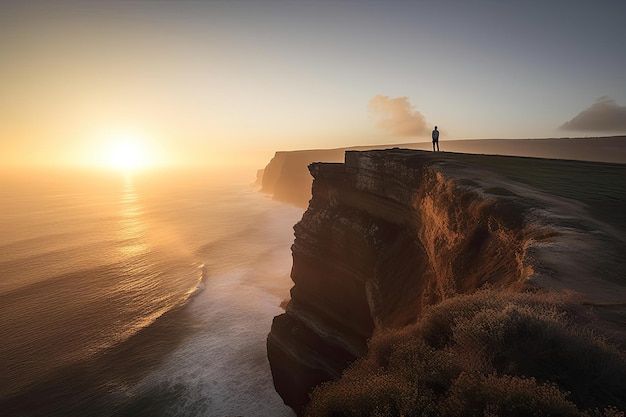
<point x="140" y="296"/>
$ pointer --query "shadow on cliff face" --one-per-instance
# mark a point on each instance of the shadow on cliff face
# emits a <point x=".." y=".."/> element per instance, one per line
<point x="389" y="234"/>
<point x="489" y="353"/>
<point x="287" y="178"/>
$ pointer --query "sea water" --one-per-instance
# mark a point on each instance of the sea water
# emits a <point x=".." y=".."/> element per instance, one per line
<point x="139" y="295"/>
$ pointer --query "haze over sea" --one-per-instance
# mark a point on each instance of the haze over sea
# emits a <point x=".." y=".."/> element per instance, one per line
<point x="139" y="295"/>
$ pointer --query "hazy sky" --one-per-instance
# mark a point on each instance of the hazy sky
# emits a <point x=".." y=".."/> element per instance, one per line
<point x="203" y="81"/>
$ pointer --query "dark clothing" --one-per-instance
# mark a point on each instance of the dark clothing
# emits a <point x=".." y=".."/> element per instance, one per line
<point x="435" y="139"/>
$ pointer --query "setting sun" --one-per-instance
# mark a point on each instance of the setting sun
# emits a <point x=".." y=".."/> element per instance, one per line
<point x="126" y="155"/>
<point x="127" y="149"/>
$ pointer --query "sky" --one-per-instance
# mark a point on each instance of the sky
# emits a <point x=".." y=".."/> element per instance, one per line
<point x="227" y="82"/>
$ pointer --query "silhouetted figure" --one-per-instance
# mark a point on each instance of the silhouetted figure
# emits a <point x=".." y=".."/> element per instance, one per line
<point x="435" y="139"/>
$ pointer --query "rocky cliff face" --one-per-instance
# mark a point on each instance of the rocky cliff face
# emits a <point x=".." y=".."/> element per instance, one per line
<point x="287" y="178"/>
<point x="388" y="233"/>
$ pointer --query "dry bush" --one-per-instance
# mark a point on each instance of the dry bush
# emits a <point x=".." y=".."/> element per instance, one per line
<point x="486" y="354"/>
<point x="479" y="395"/>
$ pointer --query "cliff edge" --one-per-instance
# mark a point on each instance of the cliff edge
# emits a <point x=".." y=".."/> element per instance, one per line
<point x="391" y="232"/>
<point x="287" y="178"/>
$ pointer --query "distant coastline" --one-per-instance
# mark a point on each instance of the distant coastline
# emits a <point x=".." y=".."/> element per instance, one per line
<point x="287" y="178"/>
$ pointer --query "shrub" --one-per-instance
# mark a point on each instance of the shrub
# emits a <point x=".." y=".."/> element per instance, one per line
<point x="486" y="354"/>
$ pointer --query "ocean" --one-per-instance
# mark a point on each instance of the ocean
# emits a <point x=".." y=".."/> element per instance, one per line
<point x="139" y="295"/>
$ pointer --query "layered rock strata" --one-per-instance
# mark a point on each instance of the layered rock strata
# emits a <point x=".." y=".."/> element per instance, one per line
<point x="390" y="232"/>
<point x="287" y="178"/>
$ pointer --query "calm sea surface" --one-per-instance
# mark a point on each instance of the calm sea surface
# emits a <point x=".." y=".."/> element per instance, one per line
<point x="143" y="295"/>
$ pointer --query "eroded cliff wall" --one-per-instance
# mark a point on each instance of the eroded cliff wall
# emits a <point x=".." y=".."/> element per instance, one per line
<point x="390" y="232"/>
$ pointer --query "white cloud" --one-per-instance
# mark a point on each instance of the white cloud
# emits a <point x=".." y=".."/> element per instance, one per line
<point x="603" y="116"/>
<point x="397" y="116"/>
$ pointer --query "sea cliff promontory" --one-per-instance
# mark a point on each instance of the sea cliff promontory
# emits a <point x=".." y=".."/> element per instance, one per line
<point x="286" y="177"/>
<point x="389" y="235"/>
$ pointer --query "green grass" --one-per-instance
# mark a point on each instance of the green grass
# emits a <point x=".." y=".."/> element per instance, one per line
<point x="602" y="186"/>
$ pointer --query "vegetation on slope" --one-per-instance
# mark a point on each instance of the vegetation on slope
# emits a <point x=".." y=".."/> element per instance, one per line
<point x="490" y="353"/>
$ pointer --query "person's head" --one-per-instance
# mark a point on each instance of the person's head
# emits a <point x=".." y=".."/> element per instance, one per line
<point x="435" y="127"/>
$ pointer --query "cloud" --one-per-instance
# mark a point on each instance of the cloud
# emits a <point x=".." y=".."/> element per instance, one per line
<point x="603" y="116"/>
<point x="396" y="115"/>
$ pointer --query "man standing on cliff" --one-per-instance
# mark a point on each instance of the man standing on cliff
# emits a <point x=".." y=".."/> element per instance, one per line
<point x="435" y="139"/>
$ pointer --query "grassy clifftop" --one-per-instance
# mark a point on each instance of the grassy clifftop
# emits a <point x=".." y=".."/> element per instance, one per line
<point x="600" y="186"/>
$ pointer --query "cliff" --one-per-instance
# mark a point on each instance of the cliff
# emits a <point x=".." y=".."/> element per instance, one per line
<point x="390" y="232"/>
<point x="287" y="178"/>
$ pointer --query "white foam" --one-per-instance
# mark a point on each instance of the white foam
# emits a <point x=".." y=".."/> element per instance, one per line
<point x="223" y="369"/>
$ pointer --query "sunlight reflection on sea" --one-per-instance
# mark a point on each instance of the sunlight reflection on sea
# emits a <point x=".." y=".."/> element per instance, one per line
<point x="95" y="287"/>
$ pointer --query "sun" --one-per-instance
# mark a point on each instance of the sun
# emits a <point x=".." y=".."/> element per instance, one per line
<point x="126" y="155"/>
<point x="125" y="152"/>
<point x="128" y="150"/>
